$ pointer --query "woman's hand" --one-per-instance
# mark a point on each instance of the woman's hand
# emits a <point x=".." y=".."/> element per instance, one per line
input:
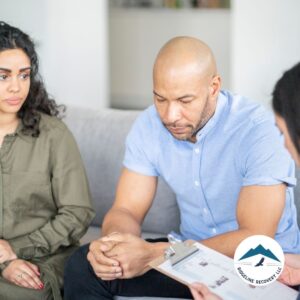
<point x="291" y="272"/>
<point x="24" y="274"/>
<point x="201" y="292"/>
<point x="6" y="252"/>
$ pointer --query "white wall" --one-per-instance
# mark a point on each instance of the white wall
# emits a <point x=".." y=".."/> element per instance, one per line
<point x="254" y="43"/>
<point x="72" y="44"/>
<point x="265" y="42"/>
<point x="136" y="35"/>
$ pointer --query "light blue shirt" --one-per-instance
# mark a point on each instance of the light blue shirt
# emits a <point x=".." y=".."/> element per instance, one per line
<point x="239" y="146"/>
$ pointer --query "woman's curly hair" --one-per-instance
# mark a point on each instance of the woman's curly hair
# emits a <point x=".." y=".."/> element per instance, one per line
<point x="38" y="99"/>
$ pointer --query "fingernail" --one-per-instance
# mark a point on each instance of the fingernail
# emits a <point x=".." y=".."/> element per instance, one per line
<point x="115" y="264"/>
<point x="118" y="274"/>
<point x="118" y="270"/>
<point x="41" y="286"/>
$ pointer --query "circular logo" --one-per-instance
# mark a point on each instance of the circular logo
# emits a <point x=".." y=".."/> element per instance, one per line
<point x="259" y="260"/>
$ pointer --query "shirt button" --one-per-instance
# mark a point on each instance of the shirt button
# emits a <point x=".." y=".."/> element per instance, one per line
<point x="214" y="230"/>
<point x="205" y="210"/>
<point x="197" y="183"/>
<point x="197" y="150"/>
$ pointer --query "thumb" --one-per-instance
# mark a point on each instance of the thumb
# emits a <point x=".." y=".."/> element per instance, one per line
<point x="201" y="288"/>
<point x="115" y="236"/>
<point x="196" y="294"/>
<point x="107" y="245"/>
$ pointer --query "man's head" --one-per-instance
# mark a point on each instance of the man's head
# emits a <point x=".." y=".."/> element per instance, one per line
<point x="185" y="86"/>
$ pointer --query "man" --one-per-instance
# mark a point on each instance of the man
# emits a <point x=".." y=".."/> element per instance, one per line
<point x="222" y="156"/>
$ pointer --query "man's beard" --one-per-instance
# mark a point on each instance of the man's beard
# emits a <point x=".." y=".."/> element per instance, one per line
<point x="207" y="113"/>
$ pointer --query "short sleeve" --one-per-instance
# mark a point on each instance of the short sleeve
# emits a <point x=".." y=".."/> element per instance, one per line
<point x="141" y="147"/>
<point x="264" y="159"/>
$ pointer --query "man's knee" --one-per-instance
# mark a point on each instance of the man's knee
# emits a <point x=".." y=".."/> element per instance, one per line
<point x="80" y="280"/>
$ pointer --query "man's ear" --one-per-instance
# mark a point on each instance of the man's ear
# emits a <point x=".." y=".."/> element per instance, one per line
<point x="215" y="85"/>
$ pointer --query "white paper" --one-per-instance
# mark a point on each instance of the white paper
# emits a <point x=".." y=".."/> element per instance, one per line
<point x="217" y="272"/>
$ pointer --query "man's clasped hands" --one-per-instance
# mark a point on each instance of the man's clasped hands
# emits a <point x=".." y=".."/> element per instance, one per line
<point x="119" y="256"/>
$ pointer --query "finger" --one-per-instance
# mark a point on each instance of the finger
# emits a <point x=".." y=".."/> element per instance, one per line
<point x="100" y="258"/>
<point x="283" y="280"/>
<point x="97" y="245"/>
<point x="106" y="270"/>
<point x="107" y="245"/>
<point x="32" y="278"/>
<point x="116" y="251"/>
<point x="29" y="281"/>
<point x="34" y="268"/>
<point x="19" y="279"/>
<point x="196" y="295"/>
<point x="285" y="275"/>
<point x="109" y="277"/>
<point x="292" y="260"/>
<point x="203" y="289"/>
<point x="115" y="236"/>
<point x="22" y="283"/>
<point x="101" y="246"/>
<point x="102" y="268"/>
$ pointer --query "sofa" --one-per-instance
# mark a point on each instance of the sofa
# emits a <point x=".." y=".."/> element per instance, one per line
<point x="101" y="139"/>
<point x="101" y="135"/>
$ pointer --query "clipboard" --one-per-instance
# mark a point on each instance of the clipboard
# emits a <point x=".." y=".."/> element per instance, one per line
<point x="181" y="251"/>
<point x="217" y="272"/>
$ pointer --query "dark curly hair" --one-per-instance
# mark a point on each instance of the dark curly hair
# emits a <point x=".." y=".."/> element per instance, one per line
<point x="286" y="102"/>
<point x="38" y="99"/>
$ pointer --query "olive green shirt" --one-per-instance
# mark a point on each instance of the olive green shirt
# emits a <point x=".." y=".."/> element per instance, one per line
<point x="45" y="202"/>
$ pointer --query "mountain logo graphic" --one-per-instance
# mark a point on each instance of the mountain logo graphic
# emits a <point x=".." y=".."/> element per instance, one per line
<point x="259" y="250"/>
<point x="258" y="260"/>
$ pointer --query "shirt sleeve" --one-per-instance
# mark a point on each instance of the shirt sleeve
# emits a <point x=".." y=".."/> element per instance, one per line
<point x="71" y="194"/>
<point x="140" y="147"/>
<point x="264" y="159"/>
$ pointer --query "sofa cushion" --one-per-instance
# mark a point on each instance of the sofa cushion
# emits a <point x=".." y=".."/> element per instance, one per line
<point x="101" y="138"/>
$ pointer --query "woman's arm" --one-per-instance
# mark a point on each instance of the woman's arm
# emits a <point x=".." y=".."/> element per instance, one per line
<point x="72" y="198"/>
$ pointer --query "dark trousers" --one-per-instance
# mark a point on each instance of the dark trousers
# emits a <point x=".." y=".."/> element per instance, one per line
<point x="82" y="283"/>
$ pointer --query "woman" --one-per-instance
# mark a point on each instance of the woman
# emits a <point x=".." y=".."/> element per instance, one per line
<point x="286" y="105"/>
<point x="45" y="205"/>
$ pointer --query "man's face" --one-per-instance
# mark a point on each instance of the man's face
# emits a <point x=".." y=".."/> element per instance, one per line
<point x="184" y="101"/>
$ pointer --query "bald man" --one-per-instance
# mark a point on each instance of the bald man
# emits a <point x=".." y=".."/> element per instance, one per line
<point x="222" y="156"/>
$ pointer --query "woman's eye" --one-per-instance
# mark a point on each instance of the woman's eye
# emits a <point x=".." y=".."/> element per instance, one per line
<point x="3" y="76"/>
<point x="24" y="76"/>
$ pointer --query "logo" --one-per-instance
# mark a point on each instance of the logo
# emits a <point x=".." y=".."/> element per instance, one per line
<point x="259" y="260"/>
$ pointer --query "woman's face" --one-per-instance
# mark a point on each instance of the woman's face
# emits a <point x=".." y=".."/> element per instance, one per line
<point x="14" y="80"/>
<point x="287" y="139"/>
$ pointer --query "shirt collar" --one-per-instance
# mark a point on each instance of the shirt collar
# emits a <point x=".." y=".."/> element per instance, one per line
<point x="19" y="132"/>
